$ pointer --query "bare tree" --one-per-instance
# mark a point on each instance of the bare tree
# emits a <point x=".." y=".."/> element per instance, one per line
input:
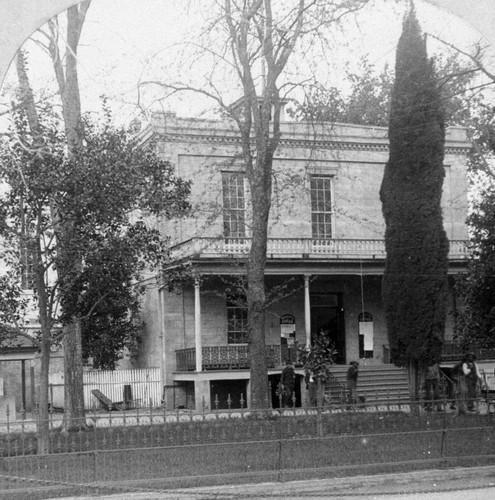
<point x="65" y="67"/>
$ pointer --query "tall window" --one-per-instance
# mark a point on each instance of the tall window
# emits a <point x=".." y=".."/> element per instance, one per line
<point x="27" y="271"/>
<point x="321" y="206"/>
<point x="234" y="205"/>
<point x="236" y="320"/>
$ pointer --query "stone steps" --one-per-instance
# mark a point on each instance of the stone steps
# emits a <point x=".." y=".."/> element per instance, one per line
<point x="380" y="384"/>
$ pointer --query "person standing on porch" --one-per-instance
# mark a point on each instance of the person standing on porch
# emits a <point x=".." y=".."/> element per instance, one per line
<point x="311" y="386"/>
<point x="473" y="378"/>
<point x="432" y="387"/>
<point x="352" y="376"/>
<point x="460" y="386"/>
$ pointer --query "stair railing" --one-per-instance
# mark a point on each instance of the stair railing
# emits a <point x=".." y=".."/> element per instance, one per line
<point x="447" y="388"/>
<point x="335" y="391"/>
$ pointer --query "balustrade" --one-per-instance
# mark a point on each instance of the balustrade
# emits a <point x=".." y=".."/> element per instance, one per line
<point x="303" y="247"/>
<point x="186" y="359"/>
<point x="237" y="356"/>
<point x="232" y="357"/>
<point x="451" y="351"/>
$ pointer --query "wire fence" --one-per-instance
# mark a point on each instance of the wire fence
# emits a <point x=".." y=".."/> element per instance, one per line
<point x="154" y="450"/>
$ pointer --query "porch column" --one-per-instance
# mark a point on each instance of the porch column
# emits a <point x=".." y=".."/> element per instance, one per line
<point x="307" y="310"/>
<point x="248" y="394"/>
<point x="163" y="362"/>
<point x="197" y="326"/>
<point x="202" y="395"/>
<point x="33" y="384"/>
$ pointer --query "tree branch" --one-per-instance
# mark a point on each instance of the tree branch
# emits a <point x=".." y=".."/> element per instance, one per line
<point x="475" y="58"/>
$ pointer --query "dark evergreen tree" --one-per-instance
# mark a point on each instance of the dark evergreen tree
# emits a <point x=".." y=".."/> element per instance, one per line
<point x="415" y="279"/>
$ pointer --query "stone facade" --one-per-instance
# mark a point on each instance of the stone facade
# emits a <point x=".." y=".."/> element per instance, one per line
<point x="334" y="281"/>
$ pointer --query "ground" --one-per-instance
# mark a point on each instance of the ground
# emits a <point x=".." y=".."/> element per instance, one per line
<point x="452" y="484"/>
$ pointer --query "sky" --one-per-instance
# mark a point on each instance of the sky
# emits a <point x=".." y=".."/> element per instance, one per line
<point x="129" y="41"/>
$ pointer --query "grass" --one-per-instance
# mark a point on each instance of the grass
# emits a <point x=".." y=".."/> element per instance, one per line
<point x="252" y="427"/>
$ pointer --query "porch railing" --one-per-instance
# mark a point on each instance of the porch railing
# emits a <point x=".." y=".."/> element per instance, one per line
<point x="298" y="247"/>
<point x="232" y="357"/>
<point x="453" y="352"/>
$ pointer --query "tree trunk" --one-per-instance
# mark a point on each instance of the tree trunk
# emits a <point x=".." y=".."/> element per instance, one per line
<point x="260" y="183"/>
<point x="43" y="414"/>
<point x="256" y="322"/>
<point x="74" y="416"/>
<point x="257" y="353"/>
<point x="71" y="108"/>
<point x="33" y="242"/>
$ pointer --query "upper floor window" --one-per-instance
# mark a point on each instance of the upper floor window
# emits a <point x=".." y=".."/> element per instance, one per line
<point x="321" y="206"/>
<point x="234" y="205"/>
<point x="236" y="320"/>
<point x="27" y="268"/>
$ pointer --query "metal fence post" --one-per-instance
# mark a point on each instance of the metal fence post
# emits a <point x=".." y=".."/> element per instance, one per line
<point x="319" y="408"/>
<point x="95" y="465"/>
<point x="280" y="459"/>
<point x="444" y="443"/>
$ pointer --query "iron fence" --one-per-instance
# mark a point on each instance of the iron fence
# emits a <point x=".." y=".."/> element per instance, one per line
<point x="153" y="449"/>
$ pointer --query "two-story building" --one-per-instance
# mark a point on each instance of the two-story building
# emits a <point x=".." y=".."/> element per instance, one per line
<point x="326" y="252"/>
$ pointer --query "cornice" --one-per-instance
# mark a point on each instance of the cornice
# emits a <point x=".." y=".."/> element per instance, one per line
<point x="288" y="142"/>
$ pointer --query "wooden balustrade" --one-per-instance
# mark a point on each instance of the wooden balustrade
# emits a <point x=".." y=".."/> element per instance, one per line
<point x="299" y="247"/>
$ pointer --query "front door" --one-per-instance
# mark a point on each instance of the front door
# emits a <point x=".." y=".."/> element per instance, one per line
<point x="327" y="318"/>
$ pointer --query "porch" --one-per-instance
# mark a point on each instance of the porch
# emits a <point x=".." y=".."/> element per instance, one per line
<point x="232" y="357"/>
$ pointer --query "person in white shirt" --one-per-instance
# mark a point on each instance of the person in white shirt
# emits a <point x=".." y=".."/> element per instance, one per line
<point x="311" y="385"/>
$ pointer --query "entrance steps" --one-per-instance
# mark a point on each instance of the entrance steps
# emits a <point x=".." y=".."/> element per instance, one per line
<point x="378" y="384"/>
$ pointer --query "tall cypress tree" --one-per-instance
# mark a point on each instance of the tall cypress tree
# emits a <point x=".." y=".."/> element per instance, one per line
<point x="415" y="279"/>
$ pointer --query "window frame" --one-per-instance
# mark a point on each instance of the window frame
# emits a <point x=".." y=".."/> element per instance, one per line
<point x="27" y="260"/>
<point x="322" y="207"/>
<point x="236" y="314"/>
<point x="234" y="204"/>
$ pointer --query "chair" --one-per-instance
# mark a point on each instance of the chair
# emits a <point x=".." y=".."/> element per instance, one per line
<point x="129" y="401"/>
<point x="106" y="403"/>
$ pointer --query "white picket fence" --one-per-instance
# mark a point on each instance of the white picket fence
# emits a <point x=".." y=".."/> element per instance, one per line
<point x="145" y="386"/>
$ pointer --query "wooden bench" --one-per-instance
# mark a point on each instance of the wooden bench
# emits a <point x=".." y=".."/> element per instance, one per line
<point x="105" y="402"/>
